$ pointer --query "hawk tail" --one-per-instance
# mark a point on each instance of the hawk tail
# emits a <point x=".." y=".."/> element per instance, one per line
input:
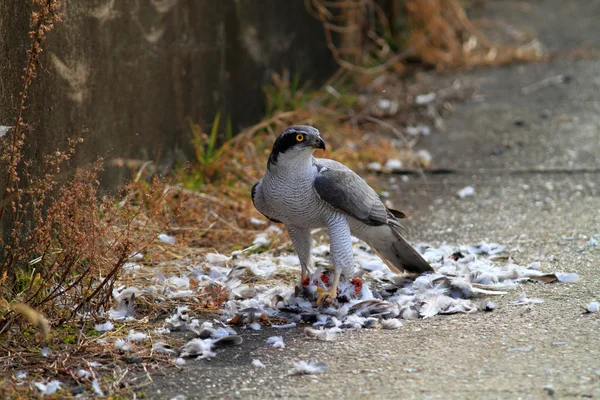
<point x="399" y="255"/>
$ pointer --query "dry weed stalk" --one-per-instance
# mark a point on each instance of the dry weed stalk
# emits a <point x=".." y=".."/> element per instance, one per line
<point x="358" y="33"/>
<point x="41" y="22"/>
<point x="351" y="31"/>
<point x="442" y="35"/>
<point x="65" y="245"/>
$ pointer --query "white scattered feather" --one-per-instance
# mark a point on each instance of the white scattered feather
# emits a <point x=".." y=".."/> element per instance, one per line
<point x="391" y="323"/>
<point x="258" y="364"/>
<point x="136" y="256"/>
<point x="119" y="314"/>
<point x="94" y="364"/>
<point x="523" y="300"/>
<point x="48" y="388"/>
<point x="393" y="164"/>
<point x="46" y="352"/>
<point x="427" y="98"/>
<point x="486" y="248"/>
<point x="424" y="156"/>
<point x="567" y="277"/>
<point x="326" y="335"/>
<point x="163" y="237"/>
<point x="131" y="266"/>
<point x="289" y="260"/>
<point x="255" y="326"/>
<point x="321" y="250"/>
<point x="4" y="129"/>
<point x="535" y="265"/>
<point x="82" y="373"/>
<point x="137" y="337"/>
<point x="222" y="332"/>
<point x="122" y="345"/>
<point x="284" y="326"/>
<point x="274" y="229"/>
<point x="374" y="166"/>
<point x="216" y="258"/>
<point x="179" y="362"/>
<point x="476" y="290"/>
<point x="180" y="282"/>
<point x="385" y="104"/>
<point x="261" y="239"/>
<point x="308" y="368"/>
<point x="107" y="326"/>
<point x="164" y="348"/>
<point x="467" y="191"/>
<point x="430" y="307"/>
<point x="453" y="306"/>
<point x="521" y="348"/>
<point x="257" y="222"/>
<point x="354" y="322"/>
<point x="593" y="307"/>
<point x="201" y="348"/>
<point x="179" y="294"/>
<point x="96" y="387"/>
<point x="126" y="292"/>
<point x="276" y="342"/>
<point x="418" y="130"/>
<point x="21" y="375"/>
<point x="409" y="313"/>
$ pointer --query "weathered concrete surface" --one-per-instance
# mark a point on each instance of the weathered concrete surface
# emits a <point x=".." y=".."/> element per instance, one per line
<point x="129" y="75"/>
<point x="548" y="217"/>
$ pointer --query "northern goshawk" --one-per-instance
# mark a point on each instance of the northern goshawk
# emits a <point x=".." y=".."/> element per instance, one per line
<point x="304" y="192"/>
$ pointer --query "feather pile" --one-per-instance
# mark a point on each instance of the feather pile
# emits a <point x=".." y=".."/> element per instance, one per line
<point x="261" y="289"/>
<point x="381" y="299"/>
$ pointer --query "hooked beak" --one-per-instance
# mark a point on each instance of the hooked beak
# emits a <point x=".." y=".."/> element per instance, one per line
<point x="319" y="143"/>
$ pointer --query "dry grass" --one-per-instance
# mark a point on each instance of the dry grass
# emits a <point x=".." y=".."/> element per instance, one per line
<point x="358" y="34"/>
<point x="364" y="38"/>
<point x="442" y="35"/>
<point x="62" y="243"/>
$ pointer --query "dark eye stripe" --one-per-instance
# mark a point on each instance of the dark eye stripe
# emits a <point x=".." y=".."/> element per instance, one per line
<point x="288" y="139"/>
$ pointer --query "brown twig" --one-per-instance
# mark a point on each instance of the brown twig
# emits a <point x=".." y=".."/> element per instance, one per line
<point x="41" y="23"/>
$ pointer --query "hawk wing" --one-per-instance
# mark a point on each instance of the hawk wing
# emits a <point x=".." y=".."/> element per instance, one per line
<point x="346" y="191"/>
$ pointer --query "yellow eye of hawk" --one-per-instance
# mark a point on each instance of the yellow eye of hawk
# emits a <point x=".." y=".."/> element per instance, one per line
<point x="300" y="137"/>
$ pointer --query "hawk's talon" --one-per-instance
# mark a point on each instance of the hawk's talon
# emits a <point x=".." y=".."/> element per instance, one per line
<point x="326" y="297"/>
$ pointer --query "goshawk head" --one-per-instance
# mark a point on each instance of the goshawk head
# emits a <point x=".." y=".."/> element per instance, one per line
<point x="296" y="141"/>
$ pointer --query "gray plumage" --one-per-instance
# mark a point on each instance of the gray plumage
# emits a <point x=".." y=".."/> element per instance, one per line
<point x="304" y="192"/>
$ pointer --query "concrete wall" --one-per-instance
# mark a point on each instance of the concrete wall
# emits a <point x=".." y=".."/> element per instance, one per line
<point x="128" y="74"/>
